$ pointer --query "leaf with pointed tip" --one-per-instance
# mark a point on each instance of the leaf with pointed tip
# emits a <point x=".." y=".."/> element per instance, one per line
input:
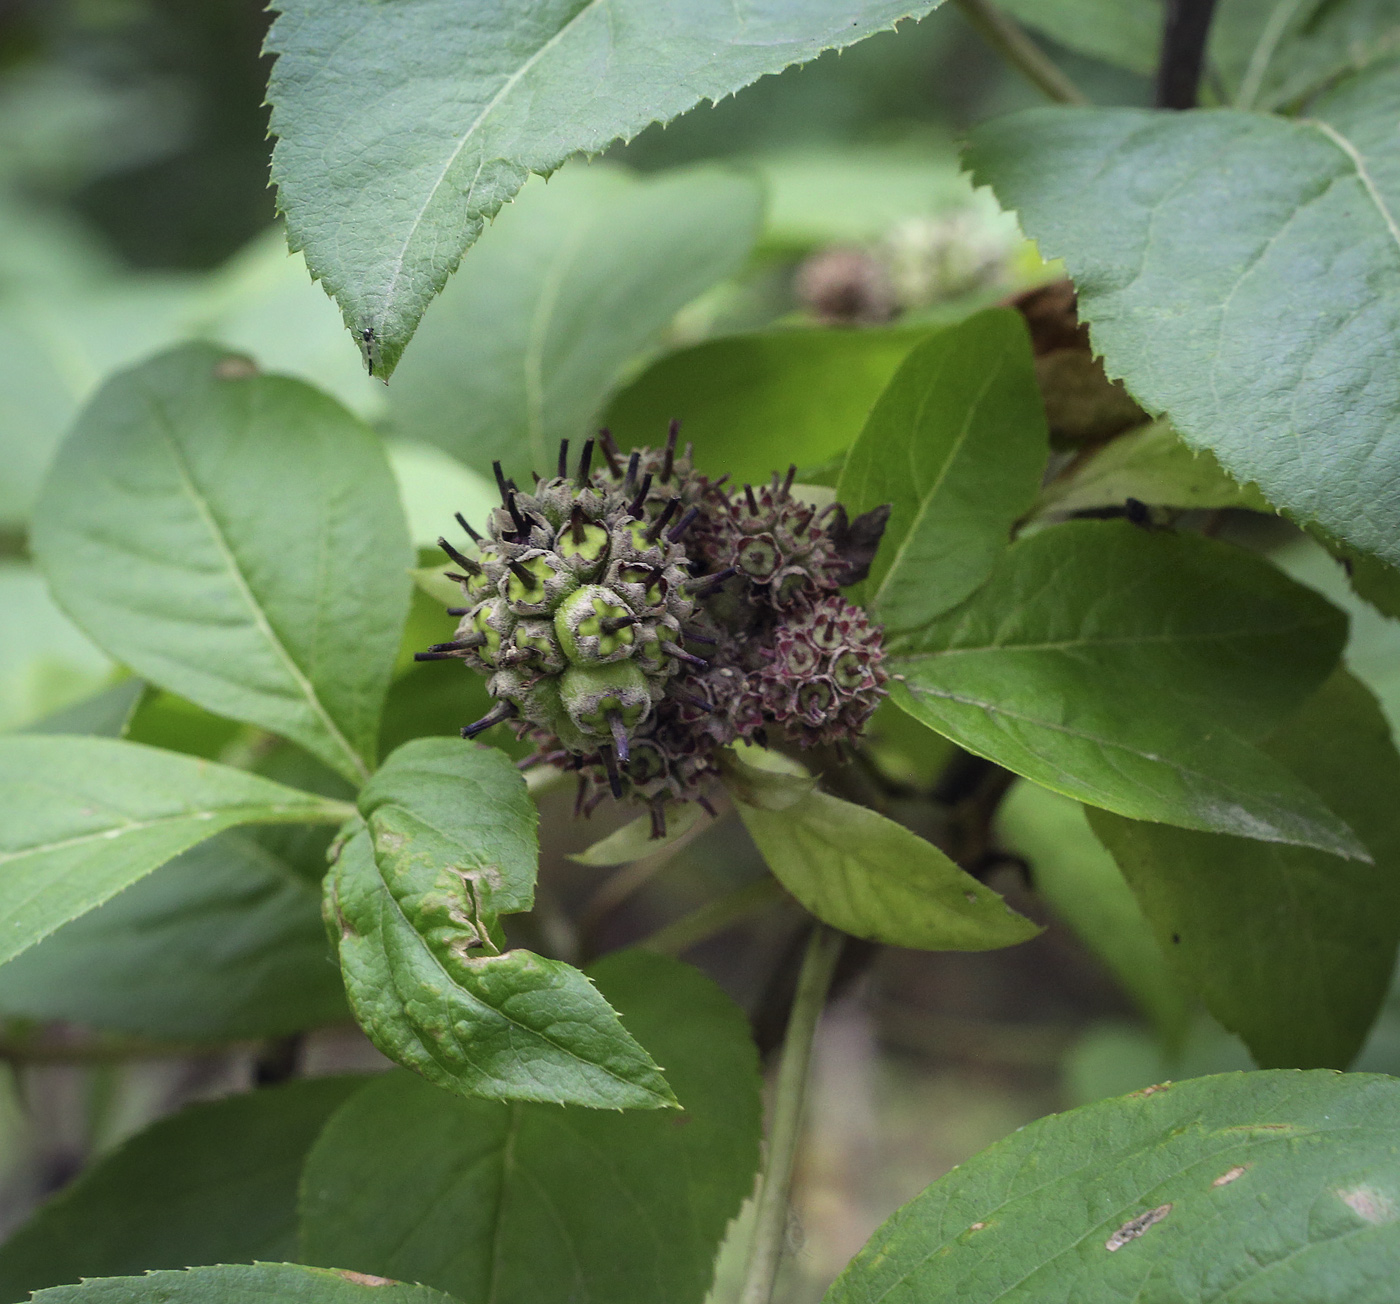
<point x="572" y="281"/>
<point x="402" y="128"/>
<point x="446" y="845"/>
<point x="1290" y="948"/>
<point x="956" y="443"/>
<point x="1130" y="669"/>
<point x="529" y="1203"/>
<point x="1241" y="274"/>
<point x="87" y="817"/>
<point x="864" y="874"/>
<point x="237" y="539"/>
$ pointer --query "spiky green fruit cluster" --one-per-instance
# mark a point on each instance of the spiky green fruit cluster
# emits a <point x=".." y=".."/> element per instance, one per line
<point x="636" y="618"/>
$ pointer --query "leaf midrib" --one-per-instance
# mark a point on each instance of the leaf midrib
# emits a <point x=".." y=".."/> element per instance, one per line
<point x="234" y="570"/>
<point x="1354" y="156"/>
<point x="457" y="987"/>
<point x="509" y="85"/>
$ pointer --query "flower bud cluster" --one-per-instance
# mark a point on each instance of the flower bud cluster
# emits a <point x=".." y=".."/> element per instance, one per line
<point x="636" y="618"/>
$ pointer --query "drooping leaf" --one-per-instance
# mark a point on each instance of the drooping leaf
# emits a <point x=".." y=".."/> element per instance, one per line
<point x="634" y="841"/>
<point x="1290" y="948"/>
<point x="214" y="1183"/>
<point x="1152" y="465"/>
<point x="1083" y="886"/>
<point x="87" y="817"/>
<point x="865" y="874"/>
<point x="254" y="1283"/>
<point x="447" y="844"/>
<point x="1128" y="668"/>
<point x="956" y="444"/>
<point x="236" y="539"/>
<point x="571" y="282"/>
<point x="403" y="128"/>
<point x="223" y="942"/>
<point x="524" y="1203"/>
<point x="753" y="403"/>
<point x="1246" y="1186"/>
<point x="1241" y="274"/>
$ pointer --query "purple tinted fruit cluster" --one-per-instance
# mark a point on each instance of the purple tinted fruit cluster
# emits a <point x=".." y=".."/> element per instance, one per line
<point x="635" y="618"/>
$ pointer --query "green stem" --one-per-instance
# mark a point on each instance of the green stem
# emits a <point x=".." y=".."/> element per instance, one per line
<point x="1009" y="40"/>
<point x="770" y="1222"/>
<point x="713" y="917"/>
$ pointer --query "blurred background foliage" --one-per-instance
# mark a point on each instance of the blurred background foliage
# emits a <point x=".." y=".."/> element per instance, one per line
<point x="135" y="213"/>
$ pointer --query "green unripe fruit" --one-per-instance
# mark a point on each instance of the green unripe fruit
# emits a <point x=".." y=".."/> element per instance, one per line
<point x="593" y="695"/>
<point x="536" y="639"/>
<point x="534" y="585"/>
<point x="594" y="626"/>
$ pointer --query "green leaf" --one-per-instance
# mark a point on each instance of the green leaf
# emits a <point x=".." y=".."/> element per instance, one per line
<point x="1127" y="668"/>
<point x="634" y="841"/>
<point x="1241" y="274"/>
<point x="255" y="1283"/>
<point x="87" y="817"/>
<point x="1081" y="883"/>
<point x="105" y="715"/>
<point x="237" y="539"/>
<point x="224" y="942"/>
<point x="447" y="845"/>
<point x="45" y="663"/>
<point x="213" y="1183"/>
<point x="753" y="403"/>
<point x="865" y="874"/>
<point x="1290" y="948"/>
<point x="434" y="485"/>
<point x="1247" y="1186"/>
<point x="571" y="282"/>
<point x="404" y="128"/>
<point x="956" y="444"/>
<point x="1152" y="465"/>
<point x="528" y="1203"/>
<point x="1126" y="33"/>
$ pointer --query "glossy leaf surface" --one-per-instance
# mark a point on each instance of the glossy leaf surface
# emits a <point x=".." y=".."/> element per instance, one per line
<point x="403" y="128"/>
<point x="1047" y="668"/>
<point x="956" y="444"/>
<point x="1246" y="1186"/>
<point x="1290" y="948"/>
<point x="447" y="844"/>
<point x="236" y="539"/>
<point x="214" y="1183"/>
<point x="1241" y="274"/>
<point x="521" y="1203"/>
<point x="87" y="817"/>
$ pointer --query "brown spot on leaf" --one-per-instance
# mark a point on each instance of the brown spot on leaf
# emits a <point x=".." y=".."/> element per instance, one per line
<point x="1152" y="1090"/>
<point x="365" y="1279"/>
<point x="1370" y="1205"/>
<point x="1233" y="1175"/>
<point x="235" y="367"/>
<point x="1135" y="1227"/>
<point x="977" y="1227"/>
